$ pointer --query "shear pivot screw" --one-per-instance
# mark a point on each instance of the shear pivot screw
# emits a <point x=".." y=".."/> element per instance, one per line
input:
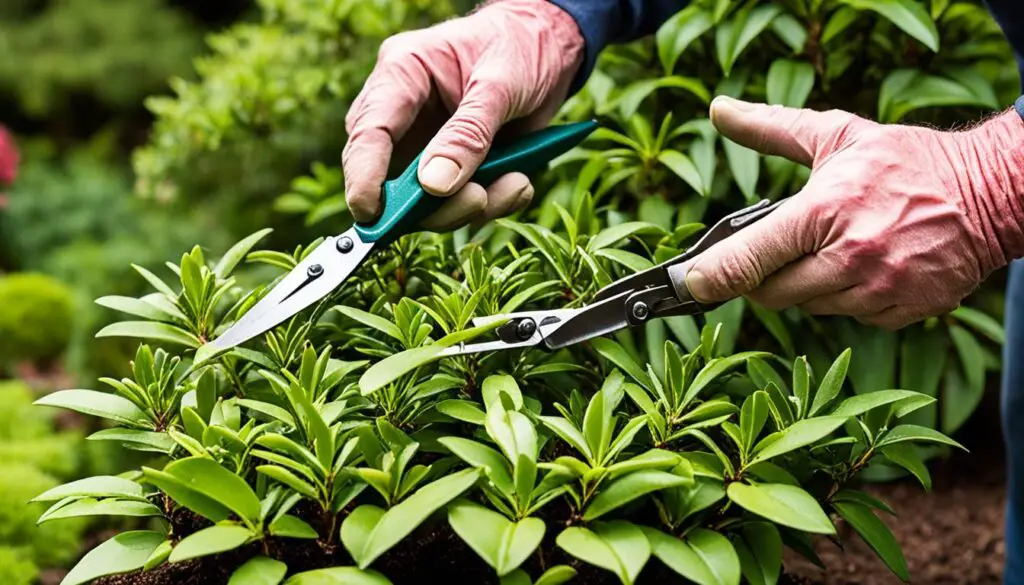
<point x="344" y="245"/>
<point x="315" y="271"/>
<point x="525" y="329"/>
<point x="640" y="311"/>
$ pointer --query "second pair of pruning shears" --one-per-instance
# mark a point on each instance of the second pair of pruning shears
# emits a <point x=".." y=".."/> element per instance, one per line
<point x="657" y="292"/>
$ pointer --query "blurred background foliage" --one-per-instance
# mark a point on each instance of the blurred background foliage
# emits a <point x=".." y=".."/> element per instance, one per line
<point x="147" y="126"/>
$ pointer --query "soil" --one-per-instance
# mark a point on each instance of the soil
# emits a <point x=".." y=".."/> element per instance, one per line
<point x="952" y="536"/>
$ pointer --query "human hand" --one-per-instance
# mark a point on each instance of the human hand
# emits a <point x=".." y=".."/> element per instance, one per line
<point x="896" y="223"/>
<point x="449" y="89"/>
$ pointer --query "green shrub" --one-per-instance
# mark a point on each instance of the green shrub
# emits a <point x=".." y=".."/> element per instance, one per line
<point x="16" y="568"/>
<point x="940" y="63"/>
<point x="696" y="462"/>
<point x="36" y="317"/>
<point x="28" y="435"/>
<point x="47" y="545"/>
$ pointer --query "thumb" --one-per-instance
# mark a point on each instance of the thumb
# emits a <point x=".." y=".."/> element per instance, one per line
<point x="461" y="145"/>
<point x="739" y="264"/>
<point x="801" y="135"/>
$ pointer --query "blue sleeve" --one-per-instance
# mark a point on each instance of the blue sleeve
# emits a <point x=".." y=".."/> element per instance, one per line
<point x="605" y="22"/>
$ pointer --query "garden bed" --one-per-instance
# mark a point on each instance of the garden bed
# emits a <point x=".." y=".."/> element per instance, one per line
<point x="952" y="536"/>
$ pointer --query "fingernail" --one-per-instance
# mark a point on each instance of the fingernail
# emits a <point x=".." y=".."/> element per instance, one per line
<point x="440" y="175"/>
<point x="732" y="103"/>
<point x="523" y="198"/>
<point x="698" y="285"/>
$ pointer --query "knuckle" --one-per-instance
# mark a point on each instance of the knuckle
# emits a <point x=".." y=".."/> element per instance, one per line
<point x="468" y="132"/>
<point x="739" y="272"/>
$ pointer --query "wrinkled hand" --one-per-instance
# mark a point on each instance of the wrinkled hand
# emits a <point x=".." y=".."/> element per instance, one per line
<point x="449" y="89"/>
<point x="896" y="223"/>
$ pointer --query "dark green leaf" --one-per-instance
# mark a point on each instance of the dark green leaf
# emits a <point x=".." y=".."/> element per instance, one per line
<point x="759" y="547"/>
<point x="877" y="535"/>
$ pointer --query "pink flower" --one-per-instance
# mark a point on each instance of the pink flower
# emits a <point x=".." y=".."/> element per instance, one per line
<point x="9" y="158"/>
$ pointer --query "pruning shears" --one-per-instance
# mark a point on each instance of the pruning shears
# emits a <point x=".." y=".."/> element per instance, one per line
<point x="658" y="292"/>
<point x="405" y="205"/>
<point x="654" y="293"/>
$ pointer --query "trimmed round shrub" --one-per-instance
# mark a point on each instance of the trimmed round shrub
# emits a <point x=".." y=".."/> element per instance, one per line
<point x="35" y="317"/>
<point x="49" y="544"/>
<point x="16" y="568"/>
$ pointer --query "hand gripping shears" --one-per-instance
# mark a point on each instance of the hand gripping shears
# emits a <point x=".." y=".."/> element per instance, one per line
<point x="657" y="292"/>
<point x="405" y="205"/>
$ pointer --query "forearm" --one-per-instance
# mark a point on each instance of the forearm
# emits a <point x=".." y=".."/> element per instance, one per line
<point x="606" y="22"/>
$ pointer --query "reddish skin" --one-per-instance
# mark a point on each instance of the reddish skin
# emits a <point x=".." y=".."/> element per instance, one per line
<point x="449" y="89"/>
<point x="896" y="224"/>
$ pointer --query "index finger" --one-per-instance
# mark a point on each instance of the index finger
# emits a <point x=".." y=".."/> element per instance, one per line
<point x="382" y="113"/>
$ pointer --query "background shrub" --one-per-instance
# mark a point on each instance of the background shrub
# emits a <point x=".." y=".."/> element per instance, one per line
<point x="36" y="321"/>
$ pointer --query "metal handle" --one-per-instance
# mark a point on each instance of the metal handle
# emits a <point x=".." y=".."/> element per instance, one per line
<point x="406" y="203"/>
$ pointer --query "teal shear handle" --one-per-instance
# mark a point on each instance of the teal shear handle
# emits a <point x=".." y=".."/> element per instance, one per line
<point x="406" y="204"/>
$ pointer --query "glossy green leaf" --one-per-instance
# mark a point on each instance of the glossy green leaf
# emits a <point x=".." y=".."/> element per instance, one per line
<point x="679" y="32"/>
<point x="753" y="415"/>
<point x="208" y="478"/>
<point x="93" y="403"/>
<point x="906" y="90"/>
<point x="704" y="557"/>
<point x="503" y="544"/>
<point x="733" y="37"/>
<point x="906" y="457"/>
<point x="93" y="507"/>
<point x="123" y="553"/>
<point x="715" y="369"/>
<point x="981" y="323"/>
<point x="909" y="15"/>
<point x="186" y="496"/>
<point x="783" y="504"/>
<point x="965" y="399"/>
<point x="877" y="535"/>
<point x="100" y="486"/>
<point x="745" y="166"/>
<point x="463" y="410"/>
<point x="635" y="93"/>
<point x="857" y="405"/>
<point x="400" y="520"/>
<point x="759" y="547"/>
<point x="289" y="526"/>
<point x="259" y="571"/>
<point x="372" y="321"/>
<point x="831" y="384"/>
<point x="151" y="330"/>
<point x="789" y="82"/>
<point x="493" y="463"/>
<point x="800" y="434"/>
<point x="237" y="253"/>
<point x="630" y="487"/>
<point x="616" y="546"/>
<point x="685" y="169"/>
<point x="210" y="541"/>
<point x="918" y="434"/>
<point x="338" y="576"/>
